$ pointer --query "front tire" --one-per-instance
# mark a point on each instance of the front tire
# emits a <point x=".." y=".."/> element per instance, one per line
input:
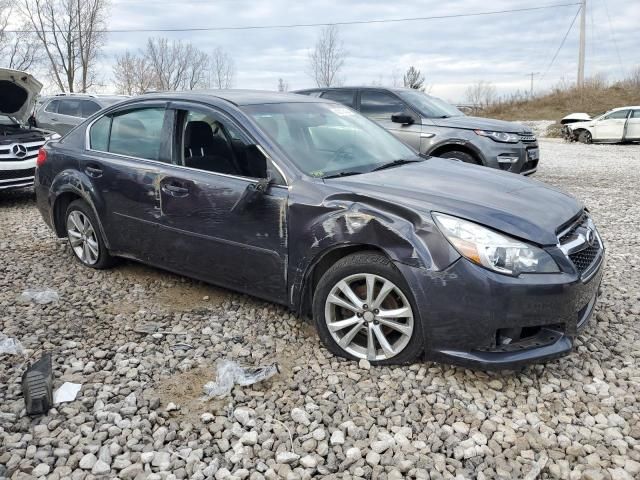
<point x="585" y="137"/>
<point x="363" y="309"/>
<point x="84" y="236"/>
<point x="462" y="156"/>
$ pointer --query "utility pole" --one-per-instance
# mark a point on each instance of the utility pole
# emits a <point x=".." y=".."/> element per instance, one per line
<point x="583" y="16"/>
<point x="532" y="74"/>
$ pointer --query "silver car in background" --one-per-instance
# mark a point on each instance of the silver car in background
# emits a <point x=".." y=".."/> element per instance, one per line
<point x="61" y="113"/>
<point x="434" y="127"/>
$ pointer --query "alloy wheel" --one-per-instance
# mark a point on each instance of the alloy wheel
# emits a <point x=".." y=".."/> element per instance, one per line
<point x="82" y="237"/>
<point x="369" y="317"/>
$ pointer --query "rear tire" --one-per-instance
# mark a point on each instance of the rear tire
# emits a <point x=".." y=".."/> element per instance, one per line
<point x="84" y="236"/>
<point x="462" y="156"/>
<point x="585" y="137"/>
<point x="380" y="324"/>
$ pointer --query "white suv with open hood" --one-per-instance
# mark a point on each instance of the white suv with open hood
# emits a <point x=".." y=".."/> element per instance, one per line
<point x="19" y="143"/>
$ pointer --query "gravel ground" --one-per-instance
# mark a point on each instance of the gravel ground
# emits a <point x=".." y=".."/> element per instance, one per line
<point x="140" y="413"/>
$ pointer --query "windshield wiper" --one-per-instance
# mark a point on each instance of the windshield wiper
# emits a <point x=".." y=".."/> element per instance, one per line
<point x="341" y="174"/>
<point x="394" y="163"/>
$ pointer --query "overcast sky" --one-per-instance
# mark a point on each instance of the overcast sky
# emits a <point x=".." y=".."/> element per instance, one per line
<point x="452" y="53"/>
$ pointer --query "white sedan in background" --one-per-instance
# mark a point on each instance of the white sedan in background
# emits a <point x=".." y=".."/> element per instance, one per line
<point x="617" y="125"/>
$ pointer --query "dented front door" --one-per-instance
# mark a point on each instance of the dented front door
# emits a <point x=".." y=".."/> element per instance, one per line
<point x="202" y="235"/>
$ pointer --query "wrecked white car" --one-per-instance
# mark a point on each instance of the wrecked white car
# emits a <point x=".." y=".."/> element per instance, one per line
<point x="615" y="126"/>
<point x="19" y="142"/>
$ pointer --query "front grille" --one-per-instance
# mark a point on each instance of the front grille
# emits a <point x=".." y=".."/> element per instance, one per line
<point x="582" y="221"/>
<point x="7" y="153"/>
<point x="11" y="174"/>
<point x="585" y="258"/>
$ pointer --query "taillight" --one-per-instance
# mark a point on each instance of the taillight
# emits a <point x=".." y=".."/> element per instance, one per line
<point x="42" y="157"/>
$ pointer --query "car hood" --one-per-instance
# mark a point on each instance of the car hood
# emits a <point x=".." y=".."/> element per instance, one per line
<point x="574" y="125"/>
<point x="18" y="92"/>
<point x="514" y="204"/>
<point x="480" y="123"/>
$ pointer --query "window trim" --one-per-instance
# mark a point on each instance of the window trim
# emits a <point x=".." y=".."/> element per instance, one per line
<point x="166" y="105"/>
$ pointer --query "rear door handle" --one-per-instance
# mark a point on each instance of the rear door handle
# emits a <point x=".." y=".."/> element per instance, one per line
<point x="175" y="190"/>
<point x="93" y="171"/>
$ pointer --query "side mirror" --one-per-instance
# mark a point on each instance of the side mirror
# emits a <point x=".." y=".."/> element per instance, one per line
<point x="403" y="118"/>
<point x="252" y="192"/>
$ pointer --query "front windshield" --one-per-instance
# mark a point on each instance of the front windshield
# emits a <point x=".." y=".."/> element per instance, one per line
<point x="430" y="107"/>
<point x="325" y="139"/>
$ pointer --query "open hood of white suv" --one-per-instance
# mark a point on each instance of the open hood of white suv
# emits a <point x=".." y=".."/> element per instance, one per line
<point x="18" y="92"/>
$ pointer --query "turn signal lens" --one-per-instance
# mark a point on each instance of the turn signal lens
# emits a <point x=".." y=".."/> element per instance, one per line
<point x="42" y="157"/>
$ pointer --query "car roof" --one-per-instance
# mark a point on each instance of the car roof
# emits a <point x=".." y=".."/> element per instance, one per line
<point x="237" y="97"/>
<point x="624" y="108"/>
<point x="359" y="87"/>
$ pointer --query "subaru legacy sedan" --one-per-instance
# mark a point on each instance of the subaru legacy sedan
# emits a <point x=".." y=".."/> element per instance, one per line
<point x="304" y="202"/>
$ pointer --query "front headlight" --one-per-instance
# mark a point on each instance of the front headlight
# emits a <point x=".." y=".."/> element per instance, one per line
<point x="503" y="137"/>
<point x="494" y="250"/>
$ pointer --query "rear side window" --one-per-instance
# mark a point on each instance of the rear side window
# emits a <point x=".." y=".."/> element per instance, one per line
<point x="137" y="133"/>
<point x="99" y="134"/>
<point x="635" y="114"/>
<point x="88" y="108"/>
<point x="52" y="107"/>
<point x="346" y="97"/>
<point x="70" y="107"/>
<point x="377" y="104"/>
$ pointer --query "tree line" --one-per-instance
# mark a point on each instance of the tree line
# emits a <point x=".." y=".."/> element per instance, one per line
<point x="66" y="38"/>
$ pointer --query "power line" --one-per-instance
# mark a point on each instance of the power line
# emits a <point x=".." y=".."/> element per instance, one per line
<point x="561" y="45"/>
<point x="613" y="35"/>
<point x="303" y="25"/>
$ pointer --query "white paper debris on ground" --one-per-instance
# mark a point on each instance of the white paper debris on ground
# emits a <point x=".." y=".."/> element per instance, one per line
<point x="40" y="296"/>
<point x="67" y="392"/>
<point x="10" y="345"/>
<point x="230" y="373"/>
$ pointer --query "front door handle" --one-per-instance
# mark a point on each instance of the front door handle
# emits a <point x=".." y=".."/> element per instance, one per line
<point x="93" y="171"/>
<point x="175" y="190"/>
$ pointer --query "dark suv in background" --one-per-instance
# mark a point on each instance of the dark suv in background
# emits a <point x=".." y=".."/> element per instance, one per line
<point x="434" y="127"/>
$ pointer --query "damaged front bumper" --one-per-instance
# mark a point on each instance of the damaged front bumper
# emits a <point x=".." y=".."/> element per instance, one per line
<point x="477" y="318"/>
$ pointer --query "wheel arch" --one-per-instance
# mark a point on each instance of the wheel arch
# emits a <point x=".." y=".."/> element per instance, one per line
<point x="69" y="186"/>
<point x="443" y="148"/>
<point x="323" y="262"/>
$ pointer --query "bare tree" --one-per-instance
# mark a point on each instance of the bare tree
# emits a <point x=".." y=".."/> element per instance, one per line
<point x="283" y="86"/>
<point x="175" y="65"/>
<point x="132" y="74"/>
<point x="71" y="32"/>
<point x="481" y="94"/>
<point x="327" y="58"/>
<point x="413" y="79"/>
<point x="223" y="69"/>
<point x="18" y="50"/>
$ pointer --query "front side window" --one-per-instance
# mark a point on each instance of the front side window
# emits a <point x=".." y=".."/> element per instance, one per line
<point x="325" y="139"/>
<point x="88" y="108"/>
<point x="620" y="114"/>
<point x="346" y="97"/>
<point x="428" y="106"/>
<point x="378" y="104"/>
<point x="70" y="107"/>
<point x="52" y="107"/>
<point x="211" y="143"/>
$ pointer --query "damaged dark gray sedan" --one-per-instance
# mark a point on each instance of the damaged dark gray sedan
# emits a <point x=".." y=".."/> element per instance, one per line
<point x="304" y="202"/>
